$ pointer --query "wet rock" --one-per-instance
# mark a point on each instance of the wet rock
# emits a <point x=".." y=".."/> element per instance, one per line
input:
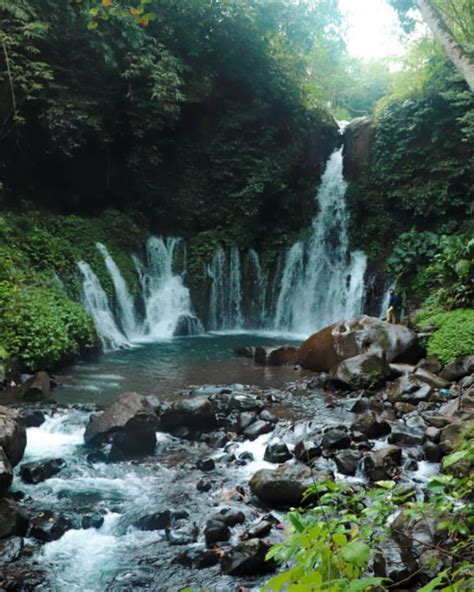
<point x="6" y="473"/>
<point x="383" y="464"/>
<point x="409" y="389"/>
<point x="96" y="456"/>
<point x="246" y="418"/>
<point x="371" y="426"/>
<point x="431" y="563"/>
<point x="433" y="434"/>
<point x="363" y="334"/>
<point x="230" y="516"/>
<point x="358" y="140"/>
<point x="450" y="437"/>
<point x="258" y="428"/>
<point x="36" y="388"/>
<point x="94" y="520"/>
<point x="13" y="520"/>
<point x="130" y="423"/>
<point x="306" y="450"/>
<point x="283" y="486"/>
<point x="157" y="521"/>
<point x="198" y="558"/>
<point x="347" y="461"/>
<point x="259" y="530"/>
<point x="362" y="371"/>
<point x="196" y="412"/>
<point x="336" y="439"/>
<point x="50" y="526"/>
<point x="431" y="378"/>
<point x="277" y="452"/>
<point x="437" y="421"/>
<point x="275" y="356"/>
<point x="216" y="531"/>
<point x="266" y="415"/>
<point x="186" y="325"/>
<point x="247" y="559"/>
<point x="404" y="408"/>
<point x="458" y="368"/>
<point x="432" y="452"/>
<point x="390" y="563"/>
<point x="361" y="405"/>
<point x="206" y="464"/>
<point x="247" y="456"/>
<point x="245" y="351"/>
<point x="24" y="578"/>
<point x="185" y="535"/>
<point x="12" y="434"/>
<point x="404" y="439"/>
<point x="432" y="364"/>
<point x="204" y="485"/>
<point x="10" y="549"/>
<point x="401" y="369"/>
<point x="321" y="381"/>
<point x="36" y="472"/>
<point x="33" y="418"/>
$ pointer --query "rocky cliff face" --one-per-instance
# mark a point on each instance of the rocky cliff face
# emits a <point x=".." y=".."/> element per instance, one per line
<point x="358" y="140"/>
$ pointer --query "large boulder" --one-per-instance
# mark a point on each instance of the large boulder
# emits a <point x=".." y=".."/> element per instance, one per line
<point x="458" y="368"/>
<point x="283" y="486"/>
<point x="13" y="520"/>
<point x="196" y="412"/>
<point x="409" y="389"/>
<point x="365" y="371"/>
<point x="358" y="139"/>
<point x="129" y="423"/>
<point x="37" y="388"/>
<point x="36" y="472"/>
<point x="383" y="464"/>
<point x="12" y="434"/>
<point x="276" y="356"/>
<point x="329" y="347"/>
<point x="6" y="473"/>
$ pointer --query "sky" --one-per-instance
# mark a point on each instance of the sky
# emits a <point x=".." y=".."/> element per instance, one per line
<point x="372" y="28"/>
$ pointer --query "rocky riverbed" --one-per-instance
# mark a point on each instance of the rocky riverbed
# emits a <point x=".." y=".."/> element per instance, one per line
<point x="157" y="495"/>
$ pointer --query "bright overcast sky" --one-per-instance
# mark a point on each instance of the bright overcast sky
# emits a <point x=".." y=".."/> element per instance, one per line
<point x="372" y="28"/>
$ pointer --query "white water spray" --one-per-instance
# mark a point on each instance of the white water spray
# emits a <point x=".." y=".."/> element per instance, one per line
<point x="97" y="304"/>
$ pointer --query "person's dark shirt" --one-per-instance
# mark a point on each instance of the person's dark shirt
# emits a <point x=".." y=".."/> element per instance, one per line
<point x="395" y="301"/>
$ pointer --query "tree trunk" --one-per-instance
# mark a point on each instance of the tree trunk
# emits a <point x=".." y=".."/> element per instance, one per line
<point x="456" y="52"/>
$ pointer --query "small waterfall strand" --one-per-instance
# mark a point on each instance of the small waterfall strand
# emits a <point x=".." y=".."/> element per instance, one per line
<point x="225" y="301"/>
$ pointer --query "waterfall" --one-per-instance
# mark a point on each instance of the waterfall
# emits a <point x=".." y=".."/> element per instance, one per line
<point x="95" y="301"/>
<point x="167" y="301"/>
<point x="259" y="287"/>
<point x="322" y="281"/>
<point x="225" y="301"/>
<point x="125" y="303"/>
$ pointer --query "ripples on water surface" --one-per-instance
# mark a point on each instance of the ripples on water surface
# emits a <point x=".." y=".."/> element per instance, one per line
<point x="164" y="368"/>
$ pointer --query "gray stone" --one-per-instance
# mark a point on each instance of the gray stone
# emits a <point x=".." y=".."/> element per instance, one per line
<point x="283" y="486"/>
<point x="370" y="425"/>
<point x="383" y="464"/>
<point x="129" y="423"/>
<point x="12" y="434"/>
<point x="367" y="370"/>
<point x="248" y="558"/>
<point x="347" y="461"/>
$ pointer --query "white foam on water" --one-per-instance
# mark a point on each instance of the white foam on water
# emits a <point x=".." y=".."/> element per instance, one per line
<point x="257" y="449"/>
<point x="55" y="437"/>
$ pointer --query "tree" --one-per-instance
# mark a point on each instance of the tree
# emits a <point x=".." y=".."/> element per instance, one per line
<point x="432" y="15"/>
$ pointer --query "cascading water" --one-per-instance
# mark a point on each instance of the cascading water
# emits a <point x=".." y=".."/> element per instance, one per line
<point x="128" y="317"/>
<point x="97" y="304"/>
<point x="167" y="300"/>
<point x="322" y="281"/>
<point x="258" y="288"/>
<point x="225" y="301"/>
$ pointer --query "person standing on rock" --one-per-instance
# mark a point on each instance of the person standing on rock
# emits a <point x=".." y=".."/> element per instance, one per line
<point x="394" y="307"/>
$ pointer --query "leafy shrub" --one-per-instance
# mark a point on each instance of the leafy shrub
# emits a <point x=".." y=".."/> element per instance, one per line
<point x="455" y="334"/>
<point x="42" y="326"/>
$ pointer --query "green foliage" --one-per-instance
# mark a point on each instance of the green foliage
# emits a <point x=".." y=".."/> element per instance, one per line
<point x="329" y="546"/>
<point x="39" y="321"/>
<point x="455" y="334"/>
<point x="421" y="171"/>
<point x="41" y="325"/>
